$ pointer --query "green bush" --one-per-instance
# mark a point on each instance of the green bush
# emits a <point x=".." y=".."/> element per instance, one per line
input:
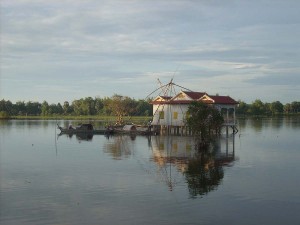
<point x="4" y="115"/>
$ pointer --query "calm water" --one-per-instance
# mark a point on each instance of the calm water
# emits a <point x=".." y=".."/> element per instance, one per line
<point x="252" y="178"/>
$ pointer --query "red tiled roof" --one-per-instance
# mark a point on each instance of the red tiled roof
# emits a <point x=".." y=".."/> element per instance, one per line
<point x="194" y="95"/>
<point x="222" y="99"/>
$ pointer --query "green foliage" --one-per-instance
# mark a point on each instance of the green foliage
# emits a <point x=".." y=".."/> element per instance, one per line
<point x="117" y="105"/>
<point x="258" y="108"/>
<point x="204" y="119"/>
<point x="122" y="106"/>
<point x="21" y="108"/>
<point x="104" y="107"/>
<point x="203" y="174"/>
<point x="294" y="107"/>
<point x="6" y="106"/>
<point x="33" y="108"/>
<point x="4" y="115"/>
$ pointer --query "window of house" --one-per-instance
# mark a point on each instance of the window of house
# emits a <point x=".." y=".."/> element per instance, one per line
<point x="161" y="115"/>
<point x="175" y="115"/>
<point x="175" y="147"/>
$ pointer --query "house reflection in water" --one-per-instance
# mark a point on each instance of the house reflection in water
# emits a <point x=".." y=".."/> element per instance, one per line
<point x="120" y="146"/>
<point x="79" y="136"/>
<point x="177" y="161"/>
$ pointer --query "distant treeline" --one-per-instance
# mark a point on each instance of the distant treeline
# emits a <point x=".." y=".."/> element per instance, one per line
<point x="258" y="108"/>
<point x="84" y="106"/>
<point x="108" y="106"/>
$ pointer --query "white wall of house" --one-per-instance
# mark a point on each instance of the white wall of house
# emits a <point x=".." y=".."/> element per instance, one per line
<point x="174" y="115"/>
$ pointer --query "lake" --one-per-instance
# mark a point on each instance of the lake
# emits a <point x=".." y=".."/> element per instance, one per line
<point x="252" y="177"/>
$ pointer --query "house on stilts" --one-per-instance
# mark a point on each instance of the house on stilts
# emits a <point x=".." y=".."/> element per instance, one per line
<point x="170" y="112"/>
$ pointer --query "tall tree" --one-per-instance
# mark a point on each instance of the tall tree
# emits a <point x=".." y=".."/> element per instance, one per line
<point x="99" y="105"/>
<point x="7" y="106"/>
<point x="276" y="107"/>
<point x="204" y="119"/>
<point x="295" y="107"/>
<point x="143" y="108"/>
<point x="44" y="108"/>
<point x="66" y="108"/>
<point x="242" y="108"/>
<point x="33" y="108"/>
<point x="257" y="107"/>
<point x="20" y="108"/>
<point x="121" y="106"/>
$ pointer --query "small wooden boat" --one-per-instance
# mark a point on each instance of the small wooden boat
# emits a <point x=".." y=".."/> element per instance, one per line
<point x="134" y="129"/>
<point x="88" y="128"/>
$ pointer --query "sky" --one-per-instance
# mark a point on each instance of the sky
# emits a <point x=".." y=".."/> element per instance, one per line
<point x="63" y="50"/>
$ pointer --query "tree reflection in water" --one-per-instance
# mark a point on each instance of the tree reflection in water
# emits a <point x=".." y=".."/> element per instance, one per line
<point x="201" y="169"/>
<point x="120" y="146"/>
<point x="204" y="173"/>
<point x="177" y="159"/>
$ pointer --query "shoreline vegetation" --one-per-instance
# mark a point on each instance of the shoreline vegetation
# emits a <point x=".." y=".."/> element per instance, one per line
<point x="112" y="119"/>
<point x="134" y="118"/>
<point x="121" y="108"/>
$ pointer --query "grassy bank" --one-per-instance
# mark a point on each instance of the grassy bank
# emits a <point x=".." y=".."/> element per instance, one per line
<point x="112" y="119"/>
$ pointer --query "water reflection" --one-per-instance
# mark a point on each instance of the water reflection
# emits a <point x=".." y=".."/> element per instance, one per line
<point x="274" y="123"/>
<point x="177" y="161"/>
<point x="95" y="181"/>
<point x="174" y="160"/>
<point x="79" y="136"/>
<point x="119" y="146"/>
